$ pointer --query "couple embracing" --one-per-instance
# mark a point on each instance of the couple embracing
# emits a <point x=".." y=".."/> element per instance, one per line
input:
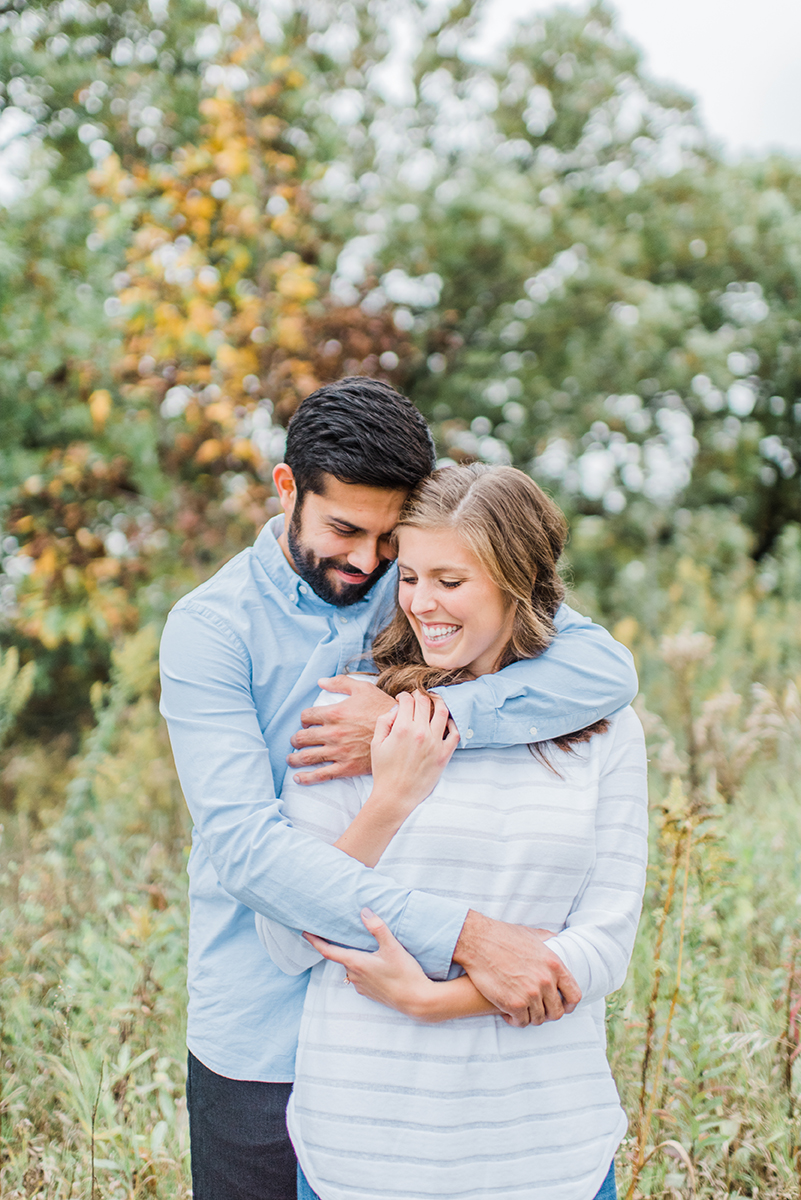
<point x="457" y="851"/>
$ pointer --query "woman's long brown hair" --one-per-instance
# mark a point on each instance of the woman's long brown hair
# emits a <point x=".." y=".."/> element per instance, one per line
<point x="517" y="534"/>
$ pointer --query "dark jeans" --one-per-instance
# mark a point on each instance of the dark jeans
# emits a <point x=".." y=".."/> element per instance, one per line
<point x="240" y="1146"/>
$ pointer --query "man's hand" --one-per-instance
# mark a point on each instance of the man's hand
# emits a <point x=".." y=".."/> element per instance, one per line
<point x="339" y="735"/>
<point x="514" y="969"/>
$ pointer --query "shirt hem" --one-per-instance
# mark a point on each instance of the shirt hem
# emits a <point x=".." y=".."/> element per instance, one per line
<point x="240" y="1072"/>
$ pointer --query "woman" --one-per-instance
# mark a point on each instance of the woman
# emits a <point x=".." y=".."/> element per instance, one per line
<point x="406" y="1088"/>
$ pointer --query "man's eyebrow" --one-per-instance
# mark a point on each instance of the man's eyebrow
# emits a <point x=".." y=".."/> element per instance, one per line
<point x="347" y="524"/>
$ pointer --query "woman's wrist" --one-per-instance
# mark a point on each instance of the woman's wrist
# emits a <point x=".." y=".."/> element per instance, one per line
<point x="423" y="1004"/>
<point x="390" y="804"/>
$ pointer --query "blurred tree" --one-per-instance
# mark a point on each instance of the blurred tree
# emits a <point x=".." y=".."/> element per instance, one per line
<point x="221" y="210"/>
<point x="223" y="318"/>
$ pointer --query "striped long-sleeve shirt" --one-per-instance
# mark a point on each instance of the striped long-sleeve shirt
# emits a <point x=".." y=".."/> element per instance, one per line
<point x="388" y="1108"/>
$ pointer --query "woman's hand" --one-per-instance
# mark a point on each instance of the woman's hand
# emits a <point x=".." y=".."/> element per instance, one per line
<point x="388" y="975"/>
<point x="392" y="977"/>
<point x="411" y="748"/>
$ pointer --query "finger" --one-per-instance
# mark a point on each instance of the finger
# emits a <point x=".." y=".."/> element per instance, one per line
<point x="378" y="928"/>
<point x="422" y="708"/>
<point x="313" y="736"/>
<point x="342" y="770"/>
<point x="536" y="1011"/>
<point x="332" y="953"/>
<point x="310" y="757"/>
<point x="405" y="714"/>
<point x="518" y="1018"/>
<point x="552" y="1003"/>
<point x="385" y="723"/>
<point x="452" y="736"/>
<point x="571" y="992"/>
<point x="439" y="717"/>
<point x="338" y="683"/>
<point x="316" y="716"/>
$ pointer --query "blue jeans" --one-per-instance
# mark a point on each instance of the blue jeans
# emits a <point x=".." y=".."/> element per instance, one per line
<point x="608" y="1190"/>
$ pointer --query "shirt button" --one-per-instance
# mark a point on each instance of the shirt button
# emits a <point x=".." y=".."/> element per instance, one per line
<point x="533" y="731"/>
<point x="303" y="588"/>
<point x="344" y="620"/>
<point x="469" y="733"/>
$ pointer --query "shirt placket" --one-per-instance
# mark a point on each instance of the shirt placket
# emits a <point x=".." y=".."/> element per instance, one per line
<point x="349" y="628"/>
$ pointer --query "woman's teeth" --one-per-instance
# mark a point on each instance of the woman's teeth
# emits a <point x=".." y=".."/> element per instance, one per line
<point x="439" y="633"/>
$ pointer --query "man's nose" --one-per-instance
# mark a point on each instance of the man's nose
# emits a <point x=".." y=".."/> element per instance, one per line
<point x="364" y="556"/>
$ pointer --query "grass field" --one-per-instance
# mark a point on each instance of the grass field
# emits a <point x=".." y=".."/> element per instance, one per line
<point x="703" y="1036"/>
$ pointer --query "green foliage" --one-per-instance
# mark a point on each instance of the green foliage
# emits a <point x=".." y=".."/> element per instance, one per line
<point x="543" y="251"/>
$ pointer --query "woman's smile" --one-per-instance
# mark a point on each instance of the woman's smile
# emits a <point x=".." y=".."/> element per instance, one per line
<point x="438" y="634"/>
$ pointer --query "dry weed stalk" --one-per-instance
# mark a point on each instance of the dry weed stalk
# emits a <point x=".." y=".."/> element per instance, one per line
<point x="647" y="1102"/>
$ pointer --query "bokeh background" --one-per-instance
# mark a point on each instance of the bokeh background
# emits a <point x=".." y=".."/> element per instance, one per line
<point x="211" y="208"/>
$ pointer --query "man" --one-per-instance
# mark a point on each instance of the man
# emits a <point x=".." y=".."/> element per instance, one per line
<point x="241" y="657"/>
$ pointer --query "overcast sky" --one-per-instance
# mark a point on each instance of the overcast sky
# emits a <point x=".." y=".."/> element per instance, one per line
<point x="740" y="58"/>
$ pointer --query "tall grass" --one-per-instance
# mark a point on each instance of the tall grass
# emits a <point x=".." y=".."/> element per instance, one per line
<point x="703" y="1036"/>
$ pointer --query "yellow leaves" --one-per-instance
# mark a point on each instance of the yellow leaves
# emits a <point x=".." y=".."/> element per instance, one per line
<point x="285" y="225"/>
<point x="236" y="361"/>
<point x="33" y="485"/>
<point x="100" y="407"/>
<point x="149" y="238"/>
<point x="290" y="333"/>
<point x="87" y="540"/>
<point x="222" y="412"/>
<point x="198" y="205"/>
<point x="294" y="79"/>
<point x="250" y="220"/>
<point x="210" y="451"/>
<point x="234" y="160"/>
<point x="298" y="283"/>
<point x="202" y="316"/>
<point x="269" y="128"/>
<point x="244" y="450"/>
<point x="104" y="568"/>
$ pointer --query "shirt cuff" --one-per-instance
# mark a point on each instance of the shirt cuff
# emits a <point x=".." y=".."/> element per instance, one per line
<point x="462" y="711"/>
<point x="429" y="929"/>
<point x="574" y="960"/>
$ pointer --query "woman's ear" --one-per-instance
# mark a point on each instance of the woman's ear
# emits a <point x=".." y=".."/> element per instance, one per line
<point x="286" y="488"/>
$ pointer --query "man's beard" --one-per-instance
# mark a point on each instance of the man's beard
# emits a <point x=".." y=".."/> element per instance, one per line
<point x="315" y="571"/>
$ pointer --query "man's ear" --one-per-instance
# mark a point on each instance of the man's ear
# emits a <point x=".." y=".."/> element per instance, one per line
<point x="286" y="488"/>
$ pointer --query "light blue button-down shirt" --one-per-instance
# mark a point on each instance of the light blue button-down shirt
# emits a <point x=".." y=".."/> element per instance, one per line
<point x="240" y="658"/>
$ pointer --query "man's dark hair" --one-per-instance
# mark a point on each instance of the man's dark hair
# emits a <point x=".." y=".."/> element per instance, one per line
<point x="361" y="431"/>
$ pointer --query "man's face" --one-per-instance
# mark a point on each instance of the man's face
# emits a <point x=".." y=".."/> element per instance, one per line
<point x="339" y="540"/>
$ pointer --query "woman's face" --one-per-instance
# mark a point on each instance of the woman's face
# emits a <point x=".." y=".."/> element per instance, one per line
<point x="459" y="616"/>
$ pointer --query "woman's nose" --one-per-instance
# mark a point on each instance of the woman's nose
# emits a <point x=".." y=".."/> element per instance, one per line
<point x="424" y="600"/>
